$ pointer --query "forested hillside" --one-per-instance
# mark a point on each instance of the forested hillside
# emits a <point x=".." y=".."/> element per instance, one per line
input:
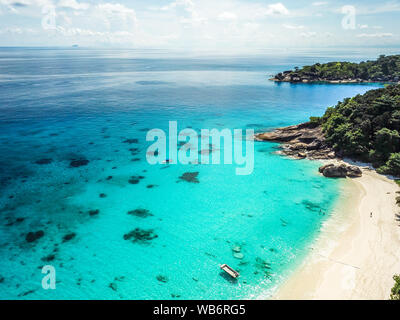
<point x="385" y="68"/>
<point x="367" y="127"/>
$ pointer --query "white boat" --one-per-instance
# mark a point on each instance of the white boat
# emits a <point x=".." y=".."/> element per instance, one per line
<point x="233" y="273"/>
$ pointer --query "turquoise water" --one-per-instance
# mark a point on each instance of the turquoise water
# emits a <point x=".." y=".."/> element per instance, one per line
<point x="64" y="105"/>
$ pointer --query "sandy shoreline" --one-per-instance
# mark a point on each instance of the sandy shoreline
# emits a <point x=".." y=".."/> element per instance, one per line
<point x="355" y="256"/>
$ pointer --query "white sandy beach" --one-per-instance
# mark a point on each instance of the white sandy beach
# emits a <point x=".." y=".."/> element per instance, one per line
<point x="356" y="255"/>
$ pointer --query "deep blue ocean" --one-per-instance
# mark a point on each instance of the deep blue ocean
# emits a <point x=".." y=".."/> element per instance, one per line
<point x="77" y="193"/>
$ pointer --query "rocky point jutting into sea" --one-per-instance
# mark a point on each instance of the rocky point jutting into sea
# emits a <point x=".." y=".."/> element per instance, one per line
<point x="307" y="140"/>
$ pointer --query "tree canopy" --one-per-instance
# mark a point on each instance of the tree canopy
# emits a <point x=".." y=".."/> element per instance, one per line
<point x="395" y="294"/>
<point x="385" y="68"/>
<point x="366" y="127"/>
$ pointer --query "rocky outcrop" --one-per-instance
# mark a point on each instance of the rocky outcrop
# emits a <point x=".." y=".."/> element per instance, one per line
<point x="340" y="171"/>
<point x="309" y="77"/>
<point x="294" y="77"/>
<point x="305" y="140"/>
<point x="354" y="172"/>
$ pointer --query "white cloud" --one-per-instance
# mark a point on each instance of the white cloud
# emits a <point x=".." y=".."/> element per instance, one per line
<point x="251" y="26"/>
<point x="115" y="16"/>
<point x="293" y="27"/>
<point x="20" y="3"/>
<point x="276" y="9"/>
<point x="194" y="24"/>
<point x="225" y="16"/>
<point x="188" y="4"/>
<point x="73" y="4"/>
<point x="320" y="3"/>
<point x="25" y="7"/>
<point x="187" y="12"/>
<point x="71" y="32"/>
<point x="375" y="35"/>
<point x="13" y="5"/>
<point x="18" y="30"/>
<point x="378" y="8"/>
<point x="25" y="3"/>
<point x="94" y="20"/>
<point x="308" y="34"/>
<point x="116" y="8"/>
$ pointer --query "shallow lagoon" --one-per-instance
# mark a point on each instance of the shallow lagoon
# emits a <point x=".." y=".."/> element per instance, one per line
<point x="115" y="227"/>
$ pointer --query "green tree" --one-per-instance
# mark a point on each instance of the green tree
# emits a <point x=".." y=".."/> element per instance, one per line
<point x="392" y="166"/>
<point x="367" y="127"/>
<point x="395" y="294"/>
<point x="385" y="68"/>
<point x="386" y="142"/>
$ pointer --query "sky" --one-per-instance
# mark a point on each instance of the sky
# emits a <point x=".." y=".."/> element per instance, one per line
<point x="200" y="24"/>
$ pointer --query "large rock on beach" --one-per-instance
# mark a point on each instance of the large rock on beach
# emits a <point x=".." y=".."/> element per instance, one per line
<point x="340" y="171"/>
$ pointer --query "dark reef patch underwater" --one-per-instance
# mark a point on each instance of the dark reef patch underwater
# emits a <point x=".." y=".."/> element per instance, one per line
<point x="33" y="236"/>
<point x="141" y="213"/>
<point x="44" y="161"/>
<point x="140" y="236"/>
<point x="190" y="177"/>
<point x="78" y="163"/>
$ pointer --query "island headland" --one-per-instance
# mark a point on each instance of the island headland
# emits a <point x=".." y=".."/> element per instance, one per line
<point x="384" y="69"/>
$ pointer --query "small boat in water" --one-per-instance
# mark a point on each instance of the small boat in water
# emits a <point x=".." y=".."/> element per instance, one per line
<point x="233" y="273"/>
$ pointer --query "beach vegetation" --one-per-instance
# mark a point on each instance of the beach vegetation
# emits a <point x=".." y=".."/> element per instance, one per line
<point x="395" y="294"/>
<point x="392" y="166"/>
<point x="316" y="120"/>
